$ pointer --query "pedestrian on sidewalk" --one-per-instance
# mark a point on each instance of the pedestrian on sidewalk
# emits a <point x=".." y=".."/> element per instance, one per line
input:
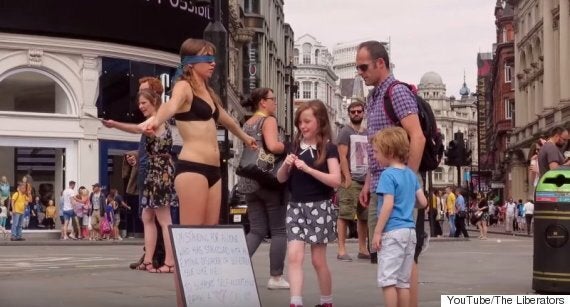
<point x="483" y="211"/>
<point x="352" y="142"/>
<point x="510" y="213"/>
<point x="312" y="171"/>
<point x="450" y="205"/>
<point x="394" y="235"/>
<point x="461" y="214"/>
<point x="529" y="214"/>
<point x="50" y="215"/>
<point x="19" y="201"/>
<point x="266" y="209"/>
<point x="436" y="213"/>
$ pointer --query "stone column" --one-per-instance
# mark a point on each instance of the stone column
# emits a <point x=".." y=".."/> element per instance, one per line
<point x="564" y="29"/>
<point x="548" y="41"/>
<point x="531" y="103"/>
<point x="537" y="97"/>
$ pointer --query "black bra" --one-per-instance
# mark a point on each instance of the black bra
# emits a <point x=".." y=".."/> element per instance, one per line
<point x="200" y="110"/>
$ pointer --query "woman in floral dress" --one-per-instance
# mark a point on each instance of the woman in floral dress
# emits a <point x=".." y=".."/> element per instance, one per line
<point x="158" y="189"/>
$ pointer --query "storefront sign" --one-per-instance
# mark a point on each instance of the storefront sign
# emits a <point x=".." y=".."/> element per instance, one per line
<point x="156" y="24"/>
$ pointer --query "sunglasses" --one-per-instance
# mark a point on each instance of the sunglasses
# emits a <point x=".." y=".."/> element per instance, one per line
<point x="362" y="67"/>
<point x="356" y="111"/>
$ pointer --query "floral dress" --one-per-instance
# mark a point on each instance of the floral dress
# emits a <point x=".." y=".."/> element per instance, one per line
<point x="158" y="187"/>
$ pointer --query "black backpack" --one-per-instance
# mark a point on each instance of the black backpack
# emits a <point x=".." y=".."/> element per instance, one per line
<point x="433" y="149"/>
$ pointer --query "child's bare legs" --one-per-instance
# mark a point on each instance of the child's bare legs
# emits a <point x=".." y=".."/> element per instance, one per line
<point x="319" y="259"/>
<point x="396" y="297"/>
<point x="295" y="256"/>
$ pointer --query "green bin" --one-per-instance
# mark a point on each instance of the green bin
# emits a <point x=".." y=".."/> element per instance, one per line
<point x="551" y="260"/>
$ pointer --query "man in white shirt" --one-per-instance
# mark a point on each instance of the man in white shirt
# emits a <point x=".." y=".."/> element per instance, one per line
<point x="510" y="211"/>
<point x="529" y="214"/>
<point x="68" y="212"/>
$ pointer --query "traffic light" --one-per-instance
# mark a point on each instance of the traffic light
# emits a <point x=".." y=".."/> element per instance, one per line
<point x="452" y="154"/>
<point x="467" y="159"/>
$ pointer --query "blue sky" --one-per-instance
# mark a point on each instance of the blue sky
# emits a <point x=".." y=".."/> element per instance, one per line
<point x="427" y="35"/>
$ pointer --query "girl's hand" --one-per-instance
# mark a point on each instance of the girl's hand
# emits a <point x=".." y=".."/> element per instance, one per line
<point x="290" y="160"/>
<point x="376" y="242"/>
<point x="301" y="165"/>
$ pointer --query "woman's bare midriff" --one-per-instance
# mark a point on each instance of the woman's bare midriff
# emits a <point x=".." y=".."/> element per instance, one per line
<point x="200" y="143"/>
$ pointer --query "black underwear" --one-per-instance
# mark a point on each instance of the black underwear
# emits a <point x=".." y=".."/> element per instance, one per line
<point x="212" y="173"/>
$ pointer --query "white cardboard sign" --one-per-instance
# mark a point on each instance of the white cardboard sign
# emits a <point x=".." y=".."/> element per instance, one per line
<point x="213" y="266"/>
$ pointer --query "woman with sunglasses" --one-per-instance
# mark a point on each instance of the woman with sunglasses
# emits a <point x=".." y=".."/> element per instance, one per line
<point x="266" y="209"/>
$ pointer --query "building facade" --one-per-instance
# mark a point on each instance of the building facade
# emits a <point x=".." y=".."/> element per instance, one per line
<point x="502" y="105"/>
<point x="314" y="75"/>
<point x="452" y="115"/>
<point x="542" y="65"/>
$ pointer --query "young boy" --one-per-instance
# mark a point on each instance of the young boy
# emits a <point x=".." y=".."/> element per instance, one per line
<point x="395" y="236"/>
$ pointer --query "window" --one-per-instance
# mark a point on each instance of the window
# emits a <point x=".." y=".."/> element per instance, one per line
<point x="316" y="96"/>
<point x="296" y="56"/>
<point x="306" y="53"/>
<point x="508" y="73"/>
<point x="450" y="174"/>
<point x="306" y="90"/>
<point x="505" y="37"/>
<point x="438" y="174"/>
<point x="317" y="57"/>
<point x="509" y="108"/>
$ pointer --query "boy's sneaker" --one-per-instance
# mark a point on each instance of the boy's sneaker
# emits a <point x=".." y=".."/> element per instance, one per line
<point x="277" y="283"/>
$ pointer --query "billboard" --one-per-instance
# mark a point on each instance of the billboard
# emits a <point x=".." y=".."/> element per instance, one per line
<point x="155" y="24"/>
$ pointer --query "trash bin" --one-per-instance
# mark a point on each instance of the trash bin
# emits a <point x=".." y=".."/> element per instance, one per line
<point x="551" y="264"/>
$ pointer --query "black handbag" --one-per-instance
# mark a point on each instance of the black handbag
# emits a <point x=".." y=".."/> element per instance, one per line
<point x="260" y="164"/>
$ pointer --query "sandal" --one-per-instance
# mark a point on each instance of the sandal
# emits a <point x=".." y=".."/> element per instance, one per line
<point x="164" y="269"/>
<point x="144" y="266"/>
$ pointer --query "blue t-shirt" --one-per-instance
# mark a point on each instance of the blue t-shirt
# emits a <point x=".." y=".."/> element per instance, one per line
<point x="460" y="203"/>
<point x="403" y="184"/>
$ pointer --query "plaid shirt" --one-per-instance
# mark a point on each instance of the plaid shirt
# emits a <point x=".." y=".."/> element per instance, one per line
<point x="404" y="103"/>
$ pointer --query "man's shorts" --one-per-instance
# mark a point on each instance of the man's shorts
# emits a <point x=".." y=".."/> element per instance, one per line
<point x="68" y="215"/>
<point x="116" y="220"/>
<point x="396" y="257"/>
<point x="95" y="219"/>
<point x="349" y="206"/>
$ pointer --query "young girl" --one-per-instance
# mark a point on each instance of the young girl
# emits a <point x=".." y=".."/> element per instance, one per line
<point x="313" y="171"/>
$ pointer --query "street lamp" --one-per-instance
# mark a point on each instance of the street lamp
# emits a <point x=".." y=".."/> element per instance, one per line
<point x="216" y="33"/>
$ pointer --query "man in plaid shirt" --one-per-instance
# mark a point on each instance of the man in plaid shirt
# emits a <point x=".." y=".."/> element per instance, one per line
<point x="373" y="65"/>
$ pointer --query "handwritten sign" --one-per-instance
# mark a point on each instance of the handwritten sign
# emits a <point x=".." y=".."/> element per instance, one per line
<point x="213" y="266"/>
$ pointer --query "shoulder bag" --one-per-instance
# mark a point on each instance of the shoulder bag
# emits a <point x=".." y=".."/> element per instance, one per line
<point x="260" y="164"/>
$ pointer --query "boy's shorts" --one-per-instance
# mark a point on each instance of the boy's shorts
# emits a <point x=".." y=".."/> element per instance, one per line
<point x="396" y="257"/>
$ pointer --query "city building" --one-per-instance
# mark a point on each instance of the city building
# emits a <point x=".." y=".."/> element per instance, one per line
<point x="452" y="115"/>
<point x="501" y="106"/>
<point x="542" y="64"/>
<point x="263" y="59"/>
<point x="351" y="90"/>
<point x="314" y="75"/>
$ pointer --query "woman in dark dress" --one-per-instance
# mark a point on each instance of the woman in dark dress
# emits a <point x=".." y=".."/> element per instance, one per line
<point x="483" y="209"/>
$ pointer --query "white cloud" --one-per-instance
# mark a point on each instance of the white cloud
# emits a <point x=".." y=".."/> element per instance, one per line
<point x="427" y="35"/>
